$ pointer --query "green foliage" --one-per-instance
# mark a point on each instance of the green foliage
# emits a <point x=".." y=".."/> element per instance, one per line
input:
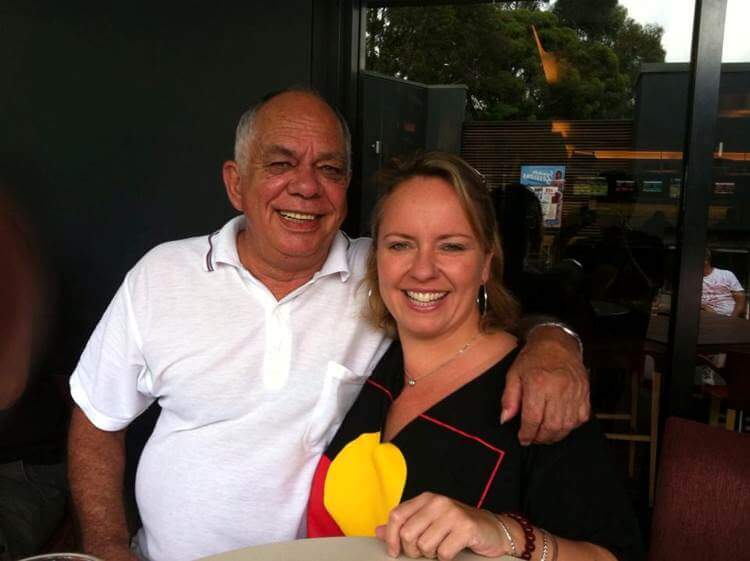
<point x="593" y="19"/>
<point x="490" y="48"/>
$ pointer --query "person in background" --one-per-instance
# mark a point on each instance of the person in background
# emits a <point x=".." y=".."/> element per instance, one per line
<point x="419" y="459"/>
<point x="722" y="293"/>
<point x="33" y="413"/>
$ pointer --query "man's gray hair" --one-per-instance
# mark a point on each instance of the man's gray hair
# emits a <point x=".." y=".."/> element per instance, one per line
<point x="245" y="131"/>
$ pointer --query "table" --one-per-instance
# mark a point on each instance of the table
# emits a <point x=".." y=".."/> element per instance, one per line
<point x="324" y="549"/>
<point x="716" y="333"/>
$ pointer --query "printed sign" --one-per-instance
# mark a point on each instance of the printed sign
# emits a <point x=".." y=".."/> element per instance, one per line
<point x="651" y="186"/>
<point x="591" y="186"/>
<point x="724" y="188"/>
<point x="548" y="183"/>
<point x="624" y="186"/>
<point x="675" y="187"/>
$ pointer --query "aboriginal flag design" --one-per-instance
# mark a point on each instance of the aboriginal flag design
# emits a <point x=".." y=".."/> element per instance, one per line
<point x="456" y="448"/>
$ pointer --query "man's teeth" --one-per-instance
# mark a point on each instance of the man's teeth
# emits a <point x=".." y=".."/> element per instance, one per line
<point x="296" y="215"/>
<point x="425" y="297"/>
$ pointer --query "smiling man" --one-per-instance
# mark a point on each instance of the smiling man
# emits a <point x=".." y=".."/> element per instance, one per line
<point x="289" y="179"/>
<point x="253" y="342"/>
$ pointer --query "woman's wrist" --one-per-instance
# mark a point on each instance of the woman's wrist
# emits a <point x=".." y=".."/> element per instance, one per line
<point x="527" y="543"/>
<point x="510" y="541"/>
<point x="523" y="538"/>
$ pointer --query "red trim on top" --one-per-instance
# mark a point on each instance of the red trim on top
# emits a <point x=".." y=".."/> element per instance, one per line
<point x="490" y="480"/>
<point x="462" y="433"/>
<point x="500" y="453"/>
<point x="381" y="388"/>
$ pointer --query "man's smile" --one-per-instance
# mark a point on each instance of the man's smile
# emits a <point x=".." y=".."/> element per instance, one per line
<point x="298" y="216"/>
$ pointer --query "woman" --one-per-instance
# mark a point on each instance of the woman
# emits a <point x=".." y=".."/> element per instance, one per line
<point x="420" y="460"/>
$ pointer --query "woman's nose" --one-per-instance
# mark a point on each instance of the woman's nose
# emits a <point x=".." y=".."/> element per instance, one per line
<point x="424" y="265"/>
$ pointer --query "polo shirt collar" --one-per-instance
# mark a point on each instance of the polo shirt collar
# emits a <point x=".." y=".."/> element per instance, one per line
<point x="222" y="245"/>
<point x="337" y="261"/>
<point x="222" y="248"/>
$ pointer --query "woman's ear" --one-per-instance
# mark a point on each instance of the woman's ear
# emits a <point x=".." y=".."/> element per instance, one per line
<point x="487" y="266"/>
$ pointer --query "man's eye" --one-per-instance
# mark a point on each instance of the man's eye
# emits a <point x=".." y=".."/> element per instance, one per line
<point x="279" y="166"/>
<point x="335" y="172"/>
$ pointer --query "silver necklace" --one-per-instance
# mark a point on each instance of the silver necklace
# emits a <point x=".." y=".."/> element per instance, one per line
<point x="411" y="381"/>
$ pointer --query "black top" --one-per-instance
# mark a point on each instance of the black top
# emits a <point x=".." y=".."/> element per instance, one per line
<point x="458" y="448"/>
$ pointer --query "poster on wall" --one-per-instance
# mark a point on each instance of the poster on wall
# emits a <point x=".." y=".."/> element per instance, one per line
<point x="649" y="186"/>
<point x="675" y="187"/>
<point x="624" y="186"/>
<point x="548" y="183"/>
<point x="724" y="188"/>
<point x="591" y="187"/>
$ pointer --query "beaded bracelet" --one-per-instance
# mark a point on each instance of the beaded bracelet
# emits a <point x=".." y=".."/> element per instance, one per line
<point x="528" y="532"/>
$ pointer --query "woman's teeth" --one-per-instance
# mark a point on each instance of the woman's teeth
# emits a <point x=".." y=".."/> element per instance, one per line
<point x="425" y="297"/>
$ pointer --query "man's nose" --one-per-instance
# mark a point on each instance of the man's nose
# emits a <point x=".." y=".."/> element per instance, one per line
<point x="305" y="182"/>
<point x="424" y="266"/>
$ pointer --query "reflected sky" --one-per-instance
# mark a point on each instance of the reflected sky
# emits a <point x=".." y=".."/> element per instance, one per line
<point x="676" y="17"/>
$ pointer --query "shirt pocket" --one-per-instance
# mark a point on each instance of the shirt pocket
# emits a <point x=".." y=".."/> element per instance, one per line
<point x="340" y="388"/>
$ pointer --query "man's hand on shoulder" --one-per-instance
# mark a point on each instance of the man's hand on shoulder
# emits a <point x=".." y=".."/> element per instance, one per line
<point x="549" y="385"/>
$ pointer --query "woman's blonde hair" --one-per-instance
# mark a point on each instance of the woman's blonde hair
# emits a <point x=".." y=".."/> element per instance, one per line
<point x="475" y="198"/>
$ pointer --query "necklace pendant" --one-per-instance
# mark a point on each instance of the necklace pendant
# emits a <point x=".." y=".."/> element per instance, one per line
<point x="411" y="381"/>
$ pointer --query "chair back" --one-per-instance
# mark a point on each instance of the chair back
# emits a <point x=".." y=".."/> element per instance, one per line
<point x="702" y="506"/>
<point x="737" y="374"/>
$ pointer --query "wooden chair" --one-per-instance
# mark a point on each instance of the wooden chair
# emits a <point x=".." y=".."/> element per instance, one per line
<point x="625" y="349"/>
<point x="702" y="505"/>
<point x="736" y="393"/>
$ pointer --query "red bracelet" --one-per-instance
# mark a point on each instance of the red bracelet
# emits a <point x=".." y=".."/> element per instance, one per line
<point x="528" y="533"/>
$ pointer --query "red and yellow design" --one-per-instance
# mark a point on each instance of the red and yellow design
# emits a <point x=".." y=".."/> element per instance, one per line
<point x="354" y="493"/>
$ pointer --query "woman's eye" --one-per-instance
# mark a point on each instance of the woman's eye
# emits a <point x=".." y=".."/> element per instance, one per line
<point x="453" y="247"/>
<point x="398" y="246"/>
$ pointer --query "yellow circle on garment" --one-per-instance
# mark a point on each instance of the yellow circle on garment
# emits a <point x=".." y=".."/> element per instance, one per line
<point x="364" y="482"/>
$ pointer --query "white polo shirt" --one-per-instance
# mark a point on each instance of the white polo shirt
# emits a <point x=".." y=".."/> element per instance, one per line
<point x="251" y="388"/>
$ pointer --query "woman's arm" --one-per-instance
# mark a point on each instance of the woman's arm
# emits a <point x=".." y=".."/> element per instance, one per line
<point x="436" y="526"/>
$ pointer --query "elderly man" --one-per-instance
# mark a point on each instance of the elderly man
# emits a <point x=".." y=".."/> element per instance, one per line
<point x="251" y="340"/>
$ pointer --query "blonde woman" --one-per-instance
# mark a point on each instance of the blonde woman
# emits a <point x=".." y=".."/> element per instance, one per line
<point x="420" y="459"/>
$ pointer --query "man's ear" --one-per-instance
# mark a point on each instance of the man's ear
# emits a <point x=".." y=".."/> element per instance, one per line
<point x="230" y="172"/>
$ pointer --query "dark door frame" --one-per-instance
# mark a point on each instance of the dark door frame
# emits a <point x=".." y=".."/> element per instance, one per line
<point x="337" y="36"/>
<point x="692" y="220"/>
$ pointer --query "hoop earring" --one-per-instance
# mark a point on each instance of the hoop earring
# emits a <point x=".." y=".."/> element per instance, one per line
<point x="482" y="301"/>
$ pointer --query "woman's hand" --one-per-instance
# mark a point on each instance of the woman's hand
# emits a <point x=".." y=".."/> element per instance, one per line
<point x="433" y="526"/>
